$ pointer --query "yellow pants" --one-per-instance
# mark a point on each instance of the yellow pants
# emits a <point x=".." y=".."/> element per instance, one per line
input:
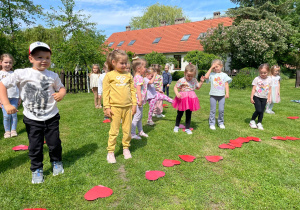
<point x="125" y="115"/>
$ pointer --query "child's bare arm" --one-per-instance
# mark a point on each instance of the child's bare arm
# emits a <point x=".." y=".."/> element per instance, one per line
<point x="227" y="90"/>
<point x="176" y="92"/>
<point x="60" y="94"/>
<point x="153" y="78"/>
<point x="209" y="71"/>
<point x="10" y="109"/>
<point x="200" y="83"/>
<point x="252" y="94"/>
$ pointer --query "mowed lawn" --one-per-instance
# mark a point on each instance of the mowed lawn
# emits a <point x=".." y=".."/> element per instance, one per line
<point x="259" y="175"/>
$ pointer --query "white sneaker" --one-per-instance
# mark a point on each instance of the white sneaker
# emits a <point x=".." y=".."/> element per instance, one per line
<point x="142" y="133"/>
<point x="134" y="136"/>
<point x="188" y="131"/>
<point x="153" y="115"/>
<point x="268" y="111"/>
<point x="160" y="115"/>
<point x="252" y="124"/>
<point x="126" y="154"/>
<point x="259" y="126"/>
<point x="212" y="127"/>
<point x="176" y="128"/>
<point x="111" y="157"/>
<point x="222" y="126"/>
<point x="150" y="122"/>
<point x="272" y="112"/>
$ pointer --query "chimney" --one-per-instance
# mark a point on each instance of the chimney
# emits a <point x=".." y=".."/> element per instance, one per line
<point x="217" y="15"/>
<point x="179" y="20"/>
<point x="128" y="28"/>
<point x="163" y="23"/>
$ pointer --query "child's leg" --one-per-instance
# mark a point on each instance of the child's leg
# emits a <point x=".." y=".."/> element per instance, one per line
<point x="259" y="108"/>
<point x="139" y="124"/>
<point x="114" y="128"/>
<point x="221" y="100"/>
<point x="263" y="106"/>
<point x="35" y="132"/>
<point x="14" y="118"/>
<point x="213" y="104"/>
<point x="270" y="106"/>
<point x="178" y="117"/>
<point x="151" y="107"/>
<point x="6" y="120"/>
<point x="95" y="92"/>
<point x="167" y="88"/>
<point x="126" y="126"/>
<point x="136" y="119"/>
<point x="163" y="97"/>
<point x="52" y="138"/>
<point x="188" y="117"/>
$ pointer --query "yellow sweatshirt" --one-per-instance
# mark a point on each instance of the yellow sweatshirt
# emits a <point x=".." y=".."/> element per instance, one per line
<point x="118" y="90"/>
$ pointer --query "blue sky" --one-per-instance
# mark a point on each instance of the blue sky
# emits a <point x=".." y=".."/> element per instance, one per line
<point x="113" y="15"/>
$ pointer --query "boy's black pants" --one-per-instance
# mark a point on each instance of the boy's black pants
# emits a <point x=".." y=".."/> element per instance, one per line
<point x="37" y="131"/>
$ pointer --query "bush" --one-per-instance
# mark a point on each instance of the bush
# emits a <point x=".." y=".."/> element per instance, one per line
<point x="244" y="78"/>
<point x="201" y="73"/>
<point x="177" y="75"/>
<point x="290" y="73"/>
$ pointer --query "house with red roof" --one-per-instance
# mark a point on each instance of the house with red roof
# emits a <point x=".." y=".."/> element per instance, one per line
<point x="171" y="40"/>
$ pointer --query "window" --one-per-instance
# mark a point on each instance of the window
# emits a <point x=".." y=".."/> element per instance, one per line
<point x="120" y="44"/>
<point x="201" y="35"/>
<point x="185" y="37"/>
<point x="156" y="40"/>
<point x="110" y="44"/>
<point x="178" y="58"/>
<point x="131" y="42"/>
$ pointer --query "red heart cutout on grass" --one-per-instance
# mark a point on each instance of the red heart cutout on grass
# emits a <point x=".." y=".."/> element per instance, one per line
<point x="154" y="175"/>
<point x="236" y="144"/>
<point x="98" y="192"/>
<point x="170" y="163"/>
<point x="242" y="139"/>
<point x="226" y="146"/>
<point x="165" y="105"/>
<point x="253" y="138"/>
<point x="187" y="158"/>
<point x="181" y="126"/>
<point x="214" y="158"/>
<point x="279" y="138"/>
<point x="106" y="121"/>
<point x="293" y="118"/>
<point x="190" y="129"/>
<point x="292" y="138"/>
<point x="237" y="141"/>
<point x="20" y="147"/>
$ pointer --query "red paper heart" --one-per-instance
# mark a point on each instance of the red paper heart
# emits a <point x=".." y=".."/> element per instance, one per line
<point x="98" y="192"/>
<point x="253" y="138"/>
<point x="181" y="126"/>
<point x="292" y="138"/>
<point x="165" y="105"/>
<point x="293" y="118"/>
<point x="190" y="129"/>
<point x="106" y="121"/>
<point x="154" y="175"/>
<point x="279" y="138"/>
<point x="242" y="139"/>
<point x="187" y="158"/>
<point x="226" y="146"/>
<point x="214" y="158"/>
<point x="20" y="147"/>
<point x="237" y="141"/>
<point x="170" y="163"/>
<point x="236" y="144"/>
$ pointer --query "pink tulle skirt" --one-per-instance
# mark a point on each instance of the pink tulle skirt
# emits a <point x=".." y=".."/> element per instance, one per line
<point x="188" y="100"/>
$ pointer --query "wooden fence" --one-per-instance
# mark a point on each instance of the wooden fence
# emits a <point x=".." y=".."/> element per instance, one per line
<point x="74" y="82"/>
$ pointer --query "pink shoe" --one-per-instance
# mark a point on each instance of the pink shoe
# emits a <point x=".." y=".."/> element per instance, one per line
<point x="126" y="154"/>
<point x="111" y="157"/>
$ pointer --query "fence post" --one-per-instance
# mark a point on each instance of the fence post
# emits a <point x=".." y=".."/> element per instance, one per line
<point x="81" y="81"/>
<point x="62" y="77"/>
<point x="68" y="82"/>
<point x="297" y="83"/>
<point x="87" y="80"/>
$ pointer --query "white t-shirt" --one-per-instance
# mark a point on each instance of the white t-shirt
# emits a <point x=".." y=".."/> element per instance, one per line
<point x="262" y="87"/>
<point x="12" y="92"/>
<point x="218" y="81"/>
<point x="100" y="83"/>
<point x="36" y="88"/>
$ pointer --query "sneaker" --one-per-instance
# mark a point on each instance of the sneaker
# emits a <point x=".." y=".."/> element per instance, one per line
<point x="252" y="124"/>
<point x="272" y="112"/>
<point x="188" y="131"/>
<point x="13" y="133"/>
<point x="134" y="136"/>
<point x="126" y="154"/>
<point x="160" y="115"/>
<point x="37" y="176"/>
<point x="222" y="126"/>
<point x="111" y="157"/>
<point x="57" y="168"/>
<point x="176" y="128"/>
<point x="150" y="122"/>
<point x="268" y="111"/>
<point x="212" y="127"/>
<point x="259" y="126"/>
<point x="153" y="115"/>
<point x="142" y="133"/>
<point x="7" y="135"/>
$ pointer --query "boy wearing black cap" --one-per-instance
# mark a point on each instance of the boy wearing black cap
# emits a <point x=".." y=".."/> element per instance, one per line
<point x="40" y="89"/>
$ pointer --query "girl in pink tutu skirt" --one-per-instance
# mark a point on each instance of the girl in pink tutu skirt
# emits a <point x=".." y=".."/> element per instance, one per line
<point x="186" y="99"/>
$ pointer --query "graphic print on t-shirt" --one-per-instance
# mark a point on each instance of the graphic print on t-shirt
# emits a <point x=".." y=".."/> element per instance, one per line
<point x="262" y="87"/>
<point x="37" y="97"/>
<point x="218" y="83"/>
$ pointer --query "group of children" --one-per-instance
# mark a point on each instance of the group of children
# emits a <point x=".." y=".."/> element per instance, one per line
<point x="123" y="96"/>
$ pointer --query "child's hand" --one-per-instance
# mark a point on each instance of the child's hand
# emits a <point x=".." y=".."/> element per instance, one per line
<point x="108" y="113"/>
<point x="161" y="91"/>
<point x="19" y="102"/>
<point x="226" y="95"/>
<point x="202" y="79"/>
<point x="178" y="95"/>
<point x="133" y="110"/>
<point x="168" y="85"/>
<point x="252" y="101"/>
<point x="58" y="96"/>
<point x="140" y="104"/>
<point x="99" y="96"/>
<point x="10" y="109"/>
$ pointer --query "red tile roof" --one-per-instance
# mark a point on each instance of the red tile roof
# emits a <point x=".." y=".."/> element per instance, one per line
<point x="170" y="37"/>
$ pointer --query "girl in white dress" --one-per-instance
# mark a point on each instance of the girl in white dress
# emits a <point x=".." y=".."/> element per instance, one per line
<point x="275" y="85"/>
<point x="94" y="77"/>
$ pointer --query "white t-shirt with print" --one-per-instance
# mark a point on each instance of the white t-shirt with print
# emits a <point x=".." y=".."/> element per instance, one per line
<point x="262" y="86"/>
<point x="12" y="92"/>
<point x="36" y="89"/>
<point x="218" y="80"/>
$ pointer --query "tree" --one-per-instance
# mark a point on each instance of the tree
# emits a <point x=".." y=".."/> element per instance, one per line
<point x="254" y="3"/>
<point x="14" y="12"/>
<point x="156" y="13"/>
<point x="159" y="58"/>
<point x="201" y="59"/>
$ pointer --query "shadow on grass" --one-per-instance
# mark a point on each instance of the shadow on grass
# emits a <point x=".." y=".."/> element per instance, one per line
<point x="14" y="162"/>
<point x="247" y="120"/>
<point x="134" y="145"/>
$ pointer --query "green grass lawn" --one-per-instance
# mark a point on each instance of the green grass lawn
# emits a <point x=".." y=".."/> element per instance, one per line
<point x="259" y="175"/>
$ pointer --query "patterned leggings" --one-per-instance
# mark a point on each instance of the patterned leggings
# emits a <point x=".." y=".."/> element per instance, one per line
<point x="152" y="103"/>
